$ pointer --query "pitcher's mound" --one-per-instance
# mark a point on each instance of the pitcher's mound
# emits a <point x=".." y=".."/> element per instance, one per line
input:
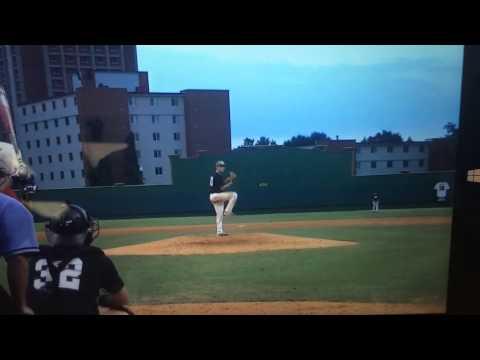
<point x="211" y="244"/>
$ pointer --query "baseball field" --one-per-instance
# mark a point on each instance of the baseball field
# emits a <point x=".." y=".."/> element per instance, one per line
<point x="356" y="262"/>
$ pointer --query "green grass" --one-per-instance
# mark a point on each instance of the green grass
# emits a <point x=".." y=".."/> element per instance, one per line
<point x="322" y="215"/>
<point x="389" y="264"/>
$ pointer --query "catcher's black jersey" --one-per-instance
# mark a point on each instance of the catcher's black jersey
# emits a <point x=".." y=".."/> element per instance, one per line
<point x="216" y="182"/>
<point x="68" y="280"/>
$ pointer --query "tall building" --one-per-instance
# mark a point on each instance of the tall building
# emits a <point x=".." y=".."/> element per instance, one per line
<point x="37" y="72"/>
<point x="110" y="128"/>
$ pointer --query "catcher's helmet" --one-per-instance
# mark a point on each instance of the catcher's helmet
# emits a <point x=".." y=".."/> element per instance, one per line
<point x="74" y="227"/>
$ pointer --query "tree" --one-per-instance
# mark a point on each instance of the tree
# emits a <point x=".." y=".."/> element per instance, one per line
<point x="248" y="142"/>
<point x="302" y="140"/>
<point x="385" y="137"/>
<point x="451" y="129"/>
<point x="264" y="141"/>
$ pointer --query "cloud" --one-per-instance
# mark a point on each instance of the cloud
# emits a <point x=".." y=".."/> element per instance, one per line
<point x="316" y="55"/>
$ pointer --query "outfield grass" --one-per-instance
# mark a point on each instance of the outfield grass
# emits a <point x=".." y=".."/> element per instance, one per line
<point x="389" y="264"/>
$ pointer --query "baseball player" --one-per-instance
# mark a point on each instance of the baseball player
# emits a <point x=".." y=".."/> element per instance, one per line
<point x="67" y="276"/>
<point x="17" y="236"/>
<point x="218" y="195"/>
<point x="375" y="202"/>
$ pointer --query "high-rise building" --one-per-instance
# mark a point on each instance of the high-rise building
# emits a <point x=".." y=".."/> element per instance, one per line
<point x="37" y="72"/>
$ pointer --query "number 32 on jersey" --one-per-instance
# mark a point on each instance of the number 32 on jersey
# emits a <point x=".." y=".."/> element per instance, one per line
<point x="69" y="277"/>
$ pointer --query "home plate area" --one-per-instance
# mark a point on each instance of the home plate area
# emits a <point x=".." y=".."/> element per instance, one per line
<point x="234" y="243"/>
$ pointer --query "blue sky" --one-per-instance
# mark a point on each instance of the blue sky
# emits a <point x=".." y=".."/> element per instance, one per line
<point x="349" y="91"/>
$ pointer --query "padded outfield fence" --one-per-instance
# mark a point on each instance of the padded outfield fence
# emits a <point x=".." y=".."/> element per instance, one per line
<point x="277" y="179"/>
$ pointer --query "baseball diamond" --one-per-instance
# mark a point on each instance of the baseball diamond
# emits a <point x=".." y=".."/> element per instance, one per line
<point x="337" y="262"/>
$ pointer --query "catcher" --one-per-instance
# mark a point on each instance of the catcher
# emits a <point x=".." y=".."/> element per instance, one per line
<point x="218" y="195"/>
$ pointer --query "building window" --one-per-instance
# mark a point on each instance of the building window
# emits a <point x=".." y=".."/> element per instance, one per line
<point x="174" y="119"/>
<point x="81" y="155"/>
<point x="72" y="174"/>
<point x="29" y="145"/>
<point x="178" y="152"/>
<point x="56" y="122"/>
<point x="42" y="177"/>
<point x="30" y="161"/>
<point x="129" y="101"/>
<point x="35" y="126"/>
<point x="54" y="59"/>
<point x="153" y="119"/>
<point x="54" y="105"/>
<point x="152" y="101"/>
<point x="137" y="137"/>
<point x="62" y="175"/>
<point x="132" y="119"/>
<point x="24" y="111"/>
<point x="176" y="136"/>
<point x="67" y="121"/>
<point x="158" y="170"/>
<point x="47" y="141"/>
<point x="69" y="48"/>
<point x="77" y="119"/>
<point x="56" y="72"/>
<point x="40" y="160"/>
<point x="58" y="140"/>
<point x="373" y="164"/>
<point x="60" y="157"/>
<point x="57" y="84"/>
<point x="52" y="176"/>
<point x="38" y="143"/>
<point x="421" y="163"/>
<point x="85" y="60"/>
<point x="421" y="148"/>
<point x="45" y="124"/>
<point x="83" y="173"/>
<point x="70" y="60"/>
<point x="390" y="149"/>
<point x="34" y="110"/>
<point x="174" y="101"/>
<point x="114" y="49"/>
<point x="44" y="107"/>
<point x="358" y="164"/>
<point x="100" y="60"/>
<point x="373" y="149"/>
<point x="84" y="49"/>
<point x="114" y="61"/>
<point x="157" y="153"/>
<point x="53" y="48"/>
<point x="99" y="49"/>
<point x="156" y="136"/>
<point x="405" y="163"/>
<point x="70" y="156"/>
<point x="389" y="163"/>
<point x="75" y="101"/>
<point x="405" y="148"/>
<point x="26" y="127"/>
<point x="50" y="159"/>
<point x="69" y="139"/>
<point x="64" y="103"/>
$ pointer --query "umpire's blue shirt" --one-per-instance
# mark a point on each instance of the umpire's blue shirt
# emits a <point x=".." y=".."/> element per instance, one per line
<point x="17" y="230"/>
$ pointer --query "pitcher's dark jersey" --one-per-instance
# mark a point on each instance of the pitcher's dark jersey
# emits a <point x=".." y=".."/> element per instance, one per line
<point x="68" y="280"/>
<point x="216" y="182"/>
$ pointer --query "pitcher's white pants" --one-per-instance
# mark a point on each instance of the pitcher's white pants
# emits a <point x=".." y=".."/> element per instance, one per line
<point x="375" y="205"/>
<point x="218" y="201"/>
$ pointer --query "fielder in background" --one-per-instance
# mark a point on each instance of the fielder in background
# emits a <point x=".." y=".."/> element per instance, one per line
<point x="218" y="195"/>
<point x="375" y="202"/>
<point x="67" y="277"/>
<point x="17" y="237"/>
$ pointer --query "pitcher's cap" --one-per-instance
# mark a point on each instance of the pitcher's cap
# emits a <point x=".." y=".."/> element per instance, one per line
<point x="220" y="163"/>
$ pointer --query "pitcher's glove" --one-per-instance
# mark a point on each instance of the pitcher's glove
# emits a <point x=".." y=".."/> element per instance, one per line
<point x="232" y="176"/>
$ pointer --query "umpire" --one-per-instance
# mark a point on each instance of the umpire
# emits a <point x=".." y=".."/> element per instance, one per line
<point x="17" y="237"/>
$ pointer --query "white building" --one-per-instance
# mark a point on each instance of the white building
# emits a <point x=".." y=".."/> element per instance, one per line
<point x="49" y="132"/>
<point x="386" y="159"/>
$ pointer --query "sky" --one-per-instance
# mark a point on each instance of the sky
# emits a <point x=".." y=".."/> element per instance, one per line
<point x="350" y="91"/>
